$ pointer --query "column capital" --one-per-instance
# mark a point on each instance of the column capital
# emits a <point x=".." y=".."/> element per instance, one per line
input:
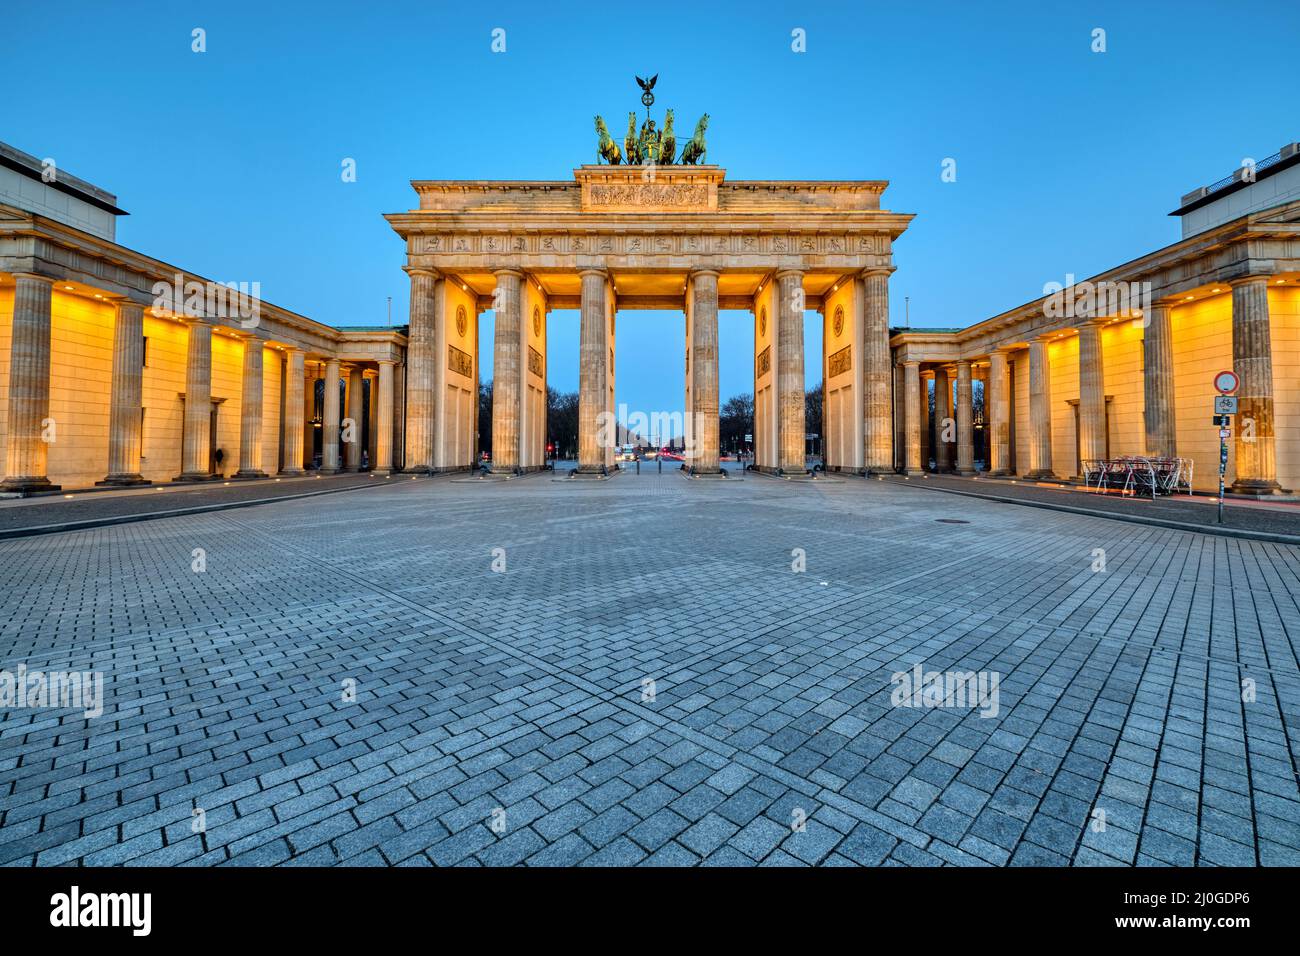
<point x="517" y="273"/>
<point x="704" y="271"/>
<point x="386" y="361"/>
<point x="885" y="271"/>
<point x="35" y="277"/>
<point x="784" y="273"/>
<point x="1249" y="280"/>
<point x="422" y="271"/>
<point x="590" y="271"/>
<point x="910" y="364"/>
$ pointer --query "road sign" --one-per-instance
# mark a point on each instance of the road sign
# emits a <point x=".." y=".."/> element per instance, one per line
<point x="1225" y="433"/>
<point x="1222" y="421"/>
<point x="1226" y="382"/>
<point x="1226" y="404"/>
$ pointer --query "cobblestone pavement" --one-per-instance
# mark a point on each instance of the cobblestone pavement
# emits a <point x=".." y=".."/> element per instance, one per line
<point x="1278" y="518"/>
<point x="44" y="510"/>
<point x="504" y="716"/>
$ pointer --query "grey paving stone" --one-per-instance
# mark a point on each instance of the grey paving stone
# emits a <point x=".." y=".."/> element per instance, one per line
<point x="521" y="692"/>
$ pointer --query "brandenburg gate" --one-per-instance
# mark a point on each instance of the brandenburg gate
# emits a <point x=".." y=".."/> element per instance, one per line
<point x="675" y="237"/>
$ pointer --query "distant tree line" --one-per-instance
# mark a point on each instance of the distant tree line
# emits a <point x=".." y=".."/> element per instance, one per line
<point x="735" y="420"/>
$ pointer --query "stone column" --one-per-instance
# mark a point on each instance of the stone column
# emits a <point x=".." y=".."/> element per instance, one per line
<point x="329" y="457"/>
<point x="507" y="371"/>
<point x="196" y="443"/>
<point x="789" y="372"/>
<point x="354" y="434"/>
<point x="913" y="403"/>
<point x="925" y="420"/>
<point x="997" y="407"/>
<point x="1092" y="394"/>
<point x="29" y="387"/>
<point x="965" y="420"/>
<point x="1158" y="382"/>
<point x="291" y="438"/>
<point x="877" y="414"/>
<point x="1040" y="411"/>
<point x="126" y="396"/>
<point x="421" y="361"/>
<point x="591" y="374"/>
<point x="372" y="419"/>
<point x="384" y="419"/>
<point x="1252" y="360"/>
<point x="309" y="428"/>
<point x="704" y="372"/>
<point x="944" y="432"/>
<point x="250" y="412"/>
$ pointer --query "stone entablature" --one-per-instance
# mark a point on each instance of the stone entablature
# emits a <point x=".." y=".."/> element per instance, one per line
<point x="1265" y="243"/>
<point x="638" y="218"/>
<point x="40" y="246"/>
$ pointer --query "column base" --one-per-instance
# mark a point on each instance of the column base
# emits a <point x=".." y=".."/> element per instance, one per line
<point x="27" y="486"/>
<point x="1042" y="474"/>
<point x="291" y="472"/>
<point x="124" y="481"/>
<point x="1256" y="486"/>
<point x="196" y="476"/>
<point x="242" y="475"/>
<point x="966" y="472"/>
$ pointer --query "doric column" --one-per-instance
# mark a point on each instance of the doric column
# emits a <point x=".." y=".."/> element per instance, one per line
<point x="1040" y="411"/>
<point x="29" y="386"/>
<point x="1158" y="382"/>
<point x="789" y="372"/>
<point x="965" y="420"/>
<point x="309" y="413"/>
<point x="944" y="433"/>
<point x="329" y="455"/>
<point x="250" y="412"/>
<point x="926" y="421"/>
<point x="372" y="419"/>
<point x="704" y="371"/>
<point x="291" y="437"/>
<point x="913" y="403"/>
<point x="507" y="371"/>
<point x="196" y="442"/>
<point x="877" y="414"/>
<point x="1252" y="360"/>
<point x="997" y="405"/>
<point x="591" y="374"/>
<point x="421" y="362"/>
<point x="125" y="397"/>
<point x="383" y="463"/>
<point x="354" y="434"/>
<point x="1092" y="394"/>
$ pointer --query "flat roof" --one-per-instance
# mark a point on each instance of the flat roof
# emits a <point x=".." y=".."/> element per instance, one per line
<point x="31" y="167"/>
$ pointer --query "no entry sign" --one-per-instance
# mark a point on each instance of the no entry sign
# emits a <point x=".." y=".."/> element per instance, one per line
<point x="1226" y="382"/>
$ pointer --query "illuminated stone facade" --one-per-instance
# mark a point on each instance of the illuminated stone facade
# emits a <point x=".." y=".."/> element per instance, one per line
<point x="102" y="380"/>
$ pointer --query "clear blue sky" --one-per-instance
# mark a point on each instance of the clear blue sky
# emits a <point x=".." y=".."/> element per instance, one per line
<point x="1067" y="160"/>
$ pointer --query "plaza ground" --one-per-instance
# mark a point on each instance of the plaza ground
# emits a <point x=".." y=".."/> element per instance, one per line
<point x="504" y="716"/>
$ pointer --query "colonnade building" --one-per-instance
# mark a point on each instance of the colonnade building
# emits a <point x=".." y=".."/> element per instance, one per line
<point x="118" y="368"/>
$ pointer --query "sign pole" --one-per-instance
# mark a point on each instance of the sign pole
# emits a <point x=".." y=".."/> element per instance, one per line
<point x="1225" y="406"/>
